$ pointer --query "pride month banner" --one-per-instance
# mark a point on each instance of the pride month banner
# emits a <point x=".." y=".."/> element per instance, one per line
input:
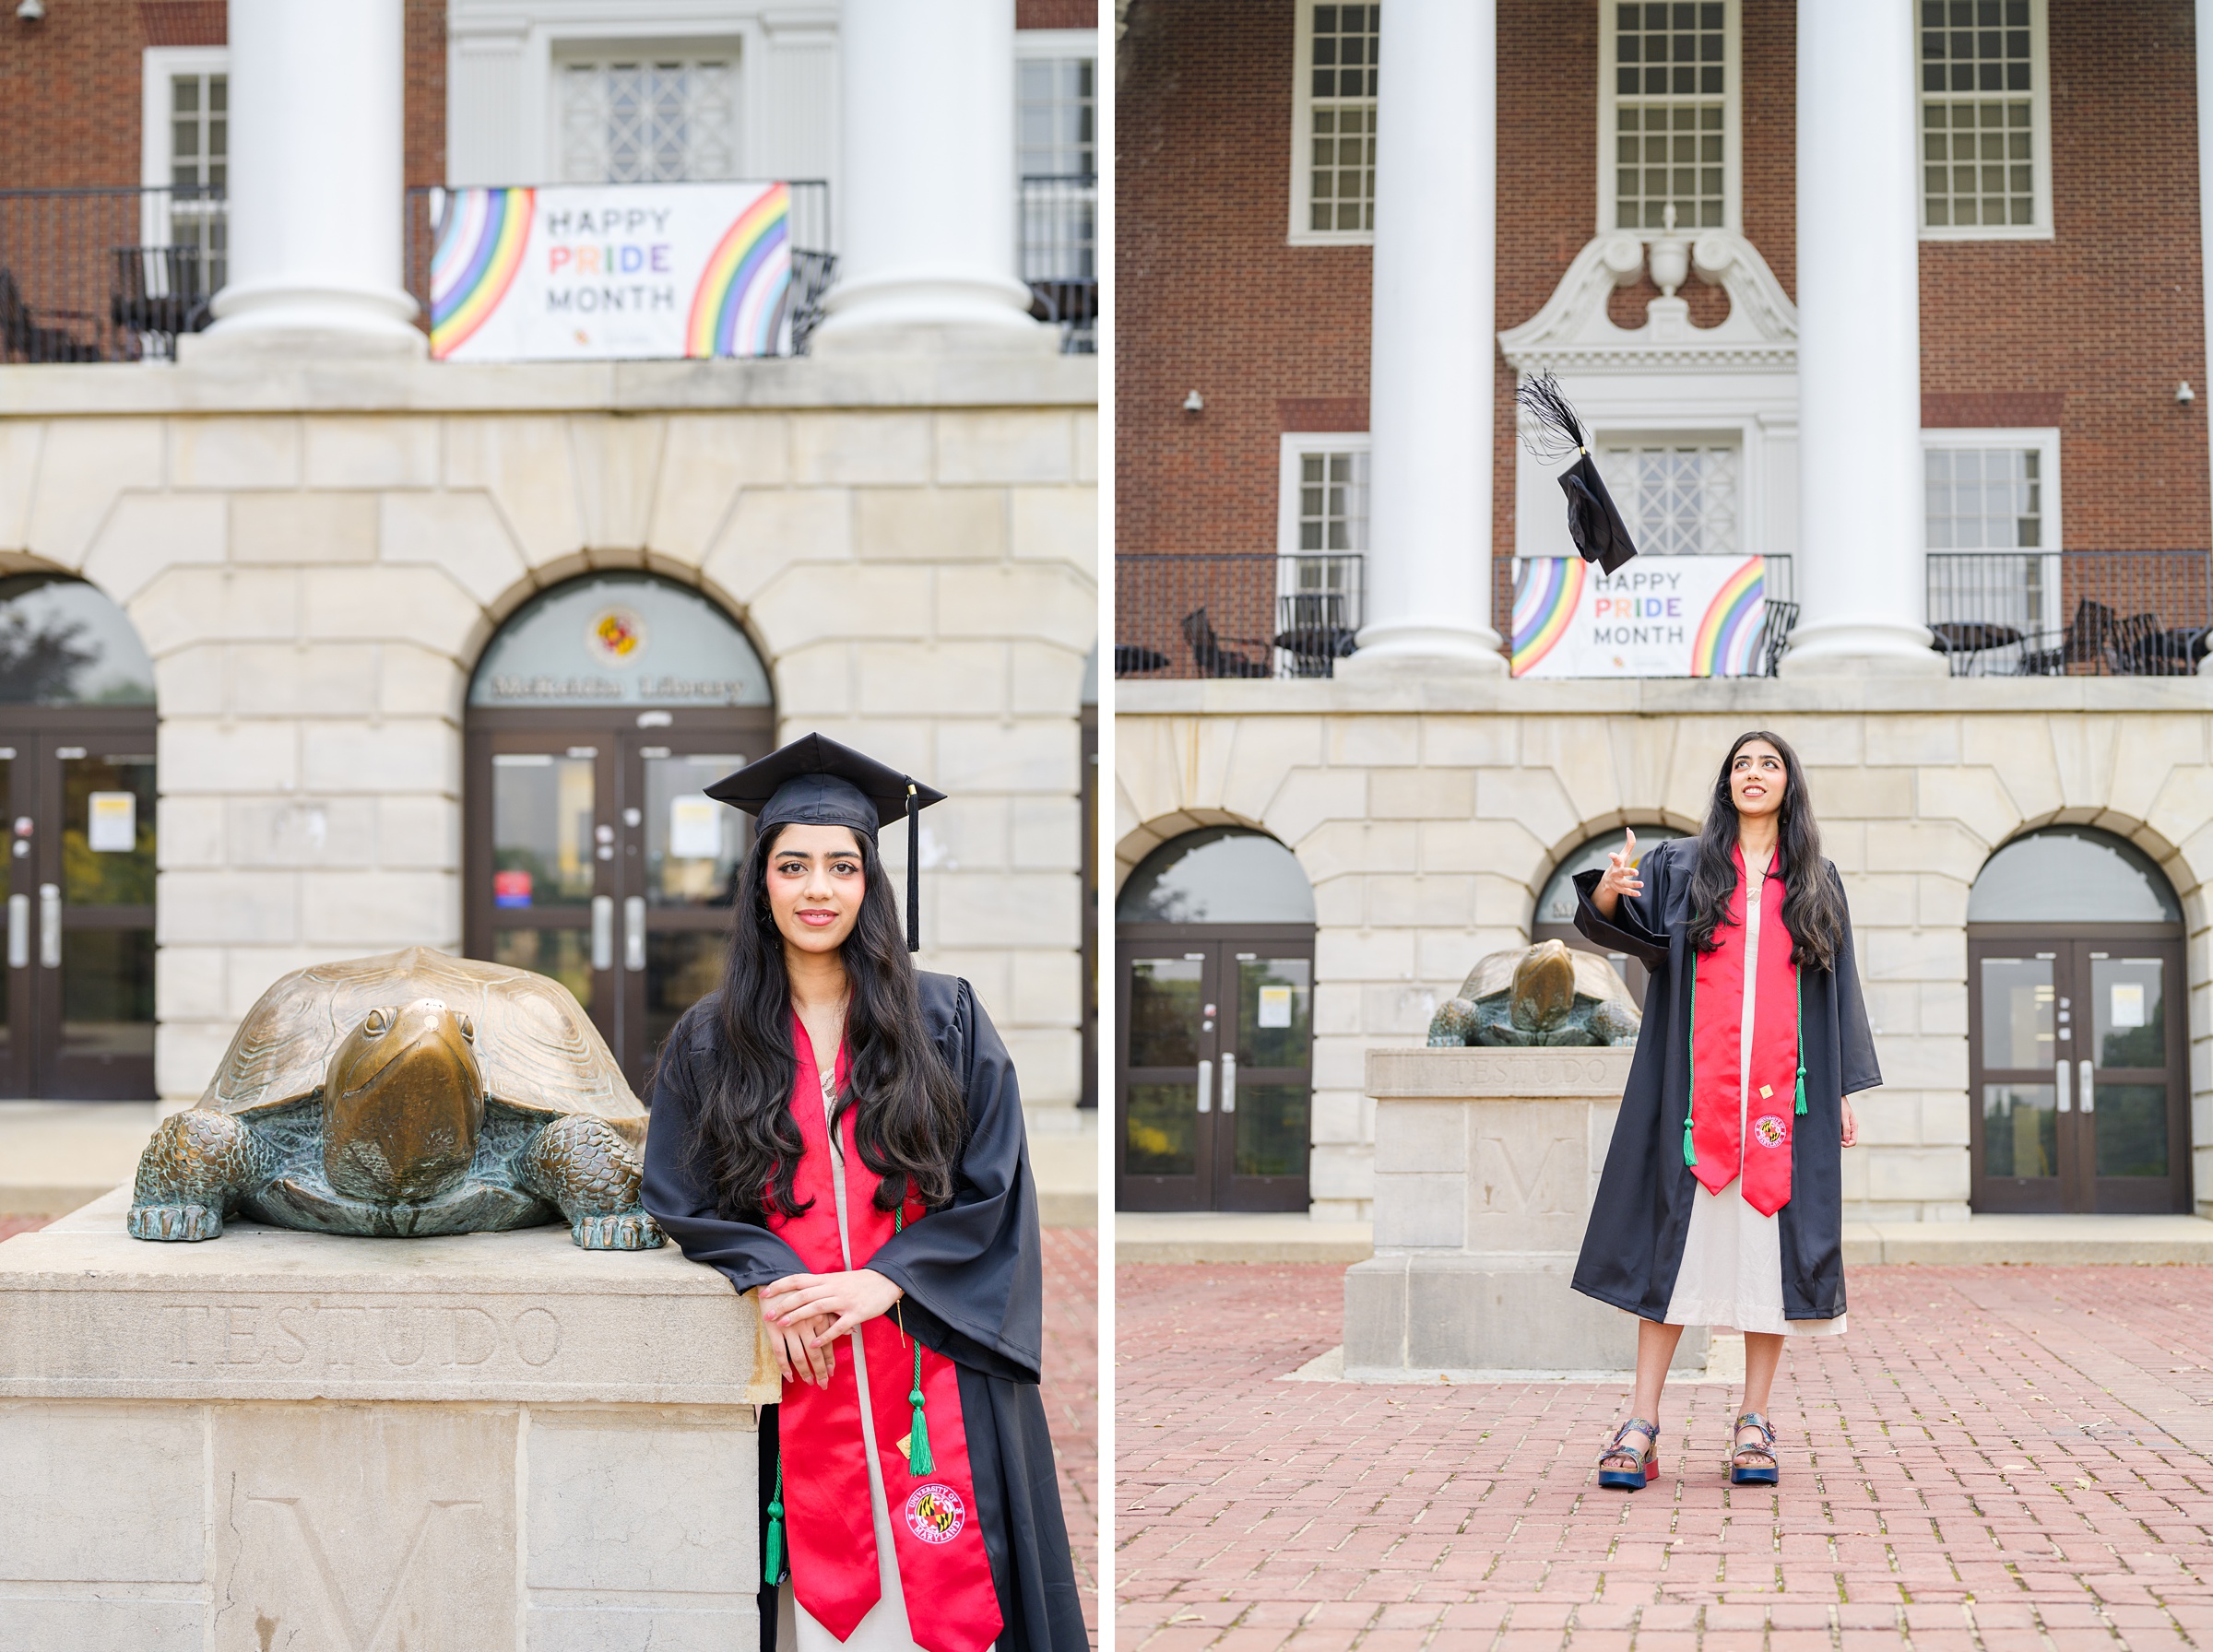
<point x="1659" y="616"/>
<point x="590" y="273"/>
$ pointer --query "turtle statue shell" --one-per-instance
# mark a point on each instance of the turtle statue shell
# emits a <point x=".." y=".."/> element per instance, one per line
<point x="538" y="1050"/>
<point x="406" y="1095"/>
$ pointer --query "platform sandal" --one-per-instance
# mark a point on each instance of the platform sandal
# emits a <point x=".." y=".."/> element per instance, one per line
<point x="1766" y="1473"/>
<point x="1647" y="1461"/>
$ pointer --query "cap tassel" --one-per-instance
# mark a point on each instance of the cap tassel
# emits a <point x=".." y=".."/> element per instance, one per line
<point x="914" y="871"/>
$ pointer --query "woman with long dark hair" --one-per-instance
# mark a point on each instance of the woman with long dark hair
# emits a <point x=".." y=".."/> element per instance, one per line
<point x="1722" y="1199"/>
<point x="843" y="1133"/>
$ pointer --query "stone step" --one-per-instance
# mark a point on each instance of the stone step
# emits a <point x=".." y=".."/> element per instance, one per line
<point x="1237" y="1236"/>
<point x="57" y="1155"/>
<point x="2052" y="1241"/>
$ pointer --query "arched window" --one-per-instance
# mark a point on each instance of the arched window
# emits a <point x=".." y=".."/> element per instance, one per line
<point x="1215" y="938"/>
<point x="76" y="768"/>
<point x="595" y="717"/>
<point x="1555" y="918"/>
<point x="2077" y="1026"/>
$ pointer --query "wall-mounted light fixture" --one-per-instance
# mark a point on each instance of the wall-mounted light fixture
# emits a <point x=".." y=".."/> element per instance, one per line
<point x="2184" y="394"/>
<point x="1194" y="403"/>
<point x="30" y="11"/>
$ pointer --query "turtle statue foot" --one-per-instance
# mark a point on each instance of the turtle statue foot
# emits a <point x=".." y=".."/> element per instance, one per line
<point x="634" y="1230"/>
<point x="173" y="1223"/>
<point x="585" y="1165"/>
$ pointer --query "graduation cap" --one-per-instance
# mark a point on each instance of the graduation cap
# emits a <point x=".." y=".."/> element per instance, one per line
<point x="1599" y="533"/>
<point x="816" y="782"/>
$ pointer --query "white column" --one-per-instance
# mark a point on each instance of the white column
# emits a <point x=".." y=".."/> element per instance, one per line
<point x="927" y="258"/>
<point x="1432" y="342"/>
<point x="1862" y="533"/>
<point x="315" y="190"/>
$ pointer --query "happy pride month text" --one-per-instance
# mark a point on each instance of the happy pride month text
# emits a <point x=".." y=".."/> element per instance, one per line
<point x="1625" y="605"/>
<point x="604" y="256"/>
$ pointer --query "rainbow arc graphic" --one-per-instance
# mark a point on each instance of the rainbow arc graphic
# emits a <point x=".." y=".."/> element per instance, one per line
<point x="480" y="248"/>
<point x="737" y="308"/>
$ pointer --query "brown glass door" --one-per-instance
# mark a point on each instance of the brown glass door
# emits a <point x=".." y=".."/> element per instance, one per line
<point x="76" y="1020"/>
<point x="595" y="858"/>
<point x="2078" y="1074"/>
<point x="1214" y="1084"/>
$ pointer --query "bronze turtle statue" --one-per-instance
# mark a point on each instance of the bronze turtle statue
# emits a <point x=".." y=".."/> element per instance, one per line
<point x="1548" y="994"/>
<point x="407" y="1095"/>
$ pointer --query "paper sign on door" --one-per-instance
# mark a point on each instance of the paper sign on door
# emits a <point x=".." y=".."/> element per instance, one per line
<point x="2128" y="1004"/>
<point x="1276" y="1006"/>
<point x="694" y="828"/>
<point x="113" y="825"/>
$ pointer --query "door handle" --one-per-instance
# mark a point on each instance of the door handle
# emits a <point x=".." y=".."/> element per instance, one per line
<point x="1229" y="1083"/>
<point x="18" y="931"/>
<point x="2059" y="1077"/>
<point x="49" y="925"/>
<point x="633" y="933"/>
<point x="603" y="932"/>
<point x="1206" y="1087"/>
<point x="2089" y="1093"/>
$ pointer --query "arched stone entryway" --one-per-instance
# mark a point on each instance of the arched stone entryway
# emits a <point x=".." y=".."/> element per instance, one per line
<point x="595" y="715"/>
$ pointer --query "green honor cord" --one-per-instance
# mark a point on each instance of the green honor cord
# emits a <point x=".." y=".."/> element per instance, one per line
<point x="919" y="1459"/>
<point x="772" y="1571"/>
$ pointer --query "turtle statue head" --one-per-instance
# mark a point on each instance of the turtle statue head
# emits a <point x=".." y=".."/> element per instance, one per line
<point x="1543" y="990"/>
<point x="403" y="1103"/>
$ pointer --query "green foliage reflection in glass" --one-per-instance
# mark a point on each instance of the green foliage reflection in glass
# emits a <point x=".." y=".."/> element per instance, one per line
<point x="93" y="876"/>
<point x="2020" y="1131"/>
<point x="64" y="642"/>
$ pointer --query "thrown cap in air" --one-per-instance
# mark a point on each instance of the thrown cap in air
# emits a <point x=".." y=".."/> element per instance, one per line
<point x="1553" y="433"/>
<point x="815" y="781"/>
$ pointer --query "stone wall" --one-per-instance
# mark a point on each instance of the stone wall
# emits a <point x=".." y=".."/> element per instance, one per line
<point x="1429" y="815"/>
<point x="316" y="554"/>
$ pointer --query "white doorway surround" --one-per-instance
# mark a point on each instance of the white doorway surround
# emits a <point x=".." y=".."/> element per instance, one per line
<point x="1667" y="382"/>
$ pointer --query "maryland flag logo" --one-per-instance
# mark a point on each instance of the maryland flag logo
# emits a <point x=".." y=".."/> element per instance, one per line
<point x="935" y="1513"/>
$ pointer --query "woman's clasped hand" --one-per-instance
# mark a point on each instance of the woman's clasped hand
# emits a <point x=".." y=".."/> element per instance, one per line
<point x="806" y="1313"/>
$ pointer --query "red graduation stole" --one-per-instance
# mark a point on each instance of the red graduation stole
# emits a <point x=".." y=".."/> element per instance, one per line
<point x="1717" y="1145"/>
<point x="943" y="1569"/>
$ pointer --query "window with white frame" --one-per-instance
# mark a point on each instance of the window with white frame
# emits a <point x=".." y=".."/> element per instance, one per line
<point x="1056" y="153"/>
<point x="1994" y="532"/>
<point x="184" y="165"/>
<point x="1321" y="532"/>
<point x="1334" y="124"/>
<point x="1668" y="137"/>
<point x="648" y="116"/>
<point x="1679" y="498"/>
<point x="1985" y="143"/>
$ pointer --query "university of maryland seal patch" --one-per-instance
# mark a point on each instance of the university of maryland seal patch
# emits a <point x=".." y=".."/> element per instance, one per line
<point x="1770" y="1130"/>
<point x="935" y="1513"/>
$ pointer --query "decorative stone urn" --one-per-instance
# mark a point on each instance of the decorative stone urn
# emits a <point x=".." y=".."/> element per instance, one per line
<point x="1485" y="1163"/>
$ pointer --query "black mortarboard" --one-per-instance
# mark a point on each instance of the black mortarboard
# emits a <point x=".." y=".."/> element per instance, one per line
<point x="816" y="782"/>
<point x="1599" y="533"/>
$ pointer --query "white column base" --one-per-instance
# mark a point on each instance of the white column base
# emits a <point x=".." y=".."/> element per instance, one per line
<point x="923" y="310"/>
<point x="1398" y="648"/>
<point x="336" y="316"/>
<point x="1863" y="647"/>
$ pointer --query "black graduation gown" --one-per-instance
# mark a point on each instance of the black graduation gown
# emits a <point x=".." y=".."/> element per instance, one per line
<point x="1633" y="1247"/>
<point x="973" y="1277"/>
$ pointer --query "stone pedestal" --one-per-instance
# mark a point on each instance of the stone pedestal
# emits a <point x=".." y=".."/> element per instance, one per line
<point x="281" y="1439"/>
<point x="1485" y="1163"/>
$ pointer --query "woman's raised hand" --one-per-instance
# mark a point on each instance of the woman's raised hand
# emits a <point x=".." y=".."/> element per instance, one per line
<point x="1619" y="880"/>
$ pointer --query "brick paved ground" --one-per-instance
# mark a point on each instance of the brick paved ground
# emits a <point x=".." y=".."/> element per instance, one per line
<point x="1994" y="1458"/>
<point x="1071" y="1393"/>
<point x="1071" y="1385"/>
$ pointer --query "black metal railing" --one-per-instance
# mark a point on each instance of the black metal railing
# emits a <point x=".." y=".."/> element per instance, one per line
<point x="814" y="258"/>
<point x="2071" y="613"/>
<point x="1235" y="614"/>
<point x="1058" y="228"/>
<point x="107" y="274"/>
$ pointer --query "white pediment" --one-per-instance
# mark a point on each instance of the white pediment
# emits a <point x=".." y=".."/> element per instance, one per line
<point x="1573" y="333"/>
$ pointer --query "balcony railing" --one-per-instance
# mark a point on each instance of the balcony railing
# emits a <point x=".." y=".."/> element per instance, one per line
<point x="107" y="274"/>
<point x="2072" y="613"/>
<point x="1060" y="231"/>
<point x="1235" y="614"/>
